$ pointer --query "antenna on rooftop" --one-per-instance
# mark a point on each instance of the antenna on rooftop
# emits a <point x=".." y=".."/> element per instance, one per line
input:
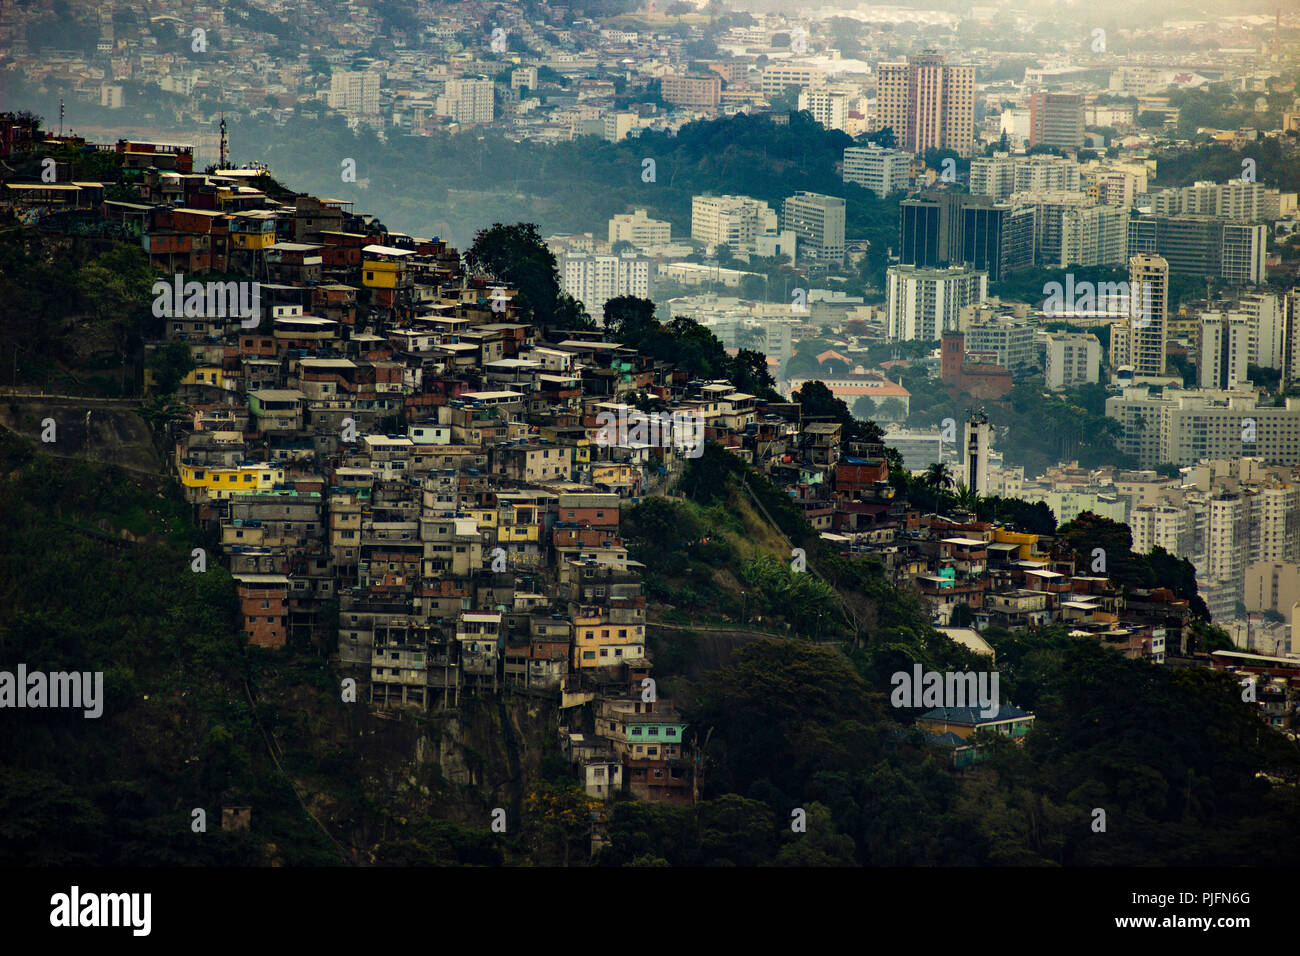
<point x="60" y="117"/>
<point x="224" y="160"/>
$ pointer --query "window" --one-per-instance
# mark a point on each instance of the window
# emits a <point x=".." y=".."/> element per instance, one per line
<point x="636" y="731"/>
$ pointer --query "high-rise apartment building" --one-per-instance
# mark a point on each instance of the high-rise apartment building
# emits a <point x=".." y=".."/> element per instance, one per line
<point x="1203" y="245"/>
<point x="1139" y="338"/>
<point x="1056" y="119"/>
<point x="927" y="103"/>
<point x="1224" y="350"/>
<point x="883" y="171"/>
<point x="1049" y="208"/>
<point x="924" y="303"/>
<point x="1237" y="199"/>
<point x="354" y="91"/>
<point x="1089" y="236"/>
<point x="1008" y="337"/>
<point x="818" y="224"/>
<point x="1001" y="174"/>
<point x="1072" y="358"/>
<point x="595" y="279"/>
<point x="469" y="100"/>
<point x="733" y="220"/>
<point x="1184" y="427"/>
<point x="828" y="107"/>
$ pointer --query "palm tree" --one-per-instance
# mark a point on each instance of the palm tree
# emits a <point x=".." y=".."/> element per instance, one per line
<point x="966" y="498"/>
<point x="937" y="477"/>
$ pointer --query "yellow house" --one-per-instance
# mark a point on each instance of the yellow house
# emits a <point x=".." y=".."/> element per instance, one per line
<point x="519" y="525"/>
<point x="1028" y="543"/>
<point x="485" y="520"/>
<point x="598" y="642"/>
<point x="384" y="267"/>
<point x="252" y="230"/>
<point x="208" y="375"/>
<point x="221" y="482"/>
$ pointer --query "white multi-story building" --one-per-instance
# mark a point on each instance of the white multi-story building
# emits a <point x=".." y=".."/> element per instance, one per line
<point x="1011" y="338"/>
<point x="1072" y="358"/>
<point x="468" y="100"/>
<point x="828" y="107"/>
<point x="595" y="279"/>
<point x="731" y="220"/>
<point x="1091" y="236"/>
<point x="1224" y="351"/>
<point x="1238" y="199"/>
<point x="777" y="77"/>
<point x="1263" y="311"/>
<point x="883" y="171"/>
<point x="1184" y="427"/>
<point x="924" y="303"/>
<point x="1002" y="174"/>
<point x="1139" y="339"/>
<point x="1114" y="183"/>
<point x="818" y="224"/>
<point x="639" y="229"/>
<point x="354" y="92"/>
<point x="1161" y="526"/>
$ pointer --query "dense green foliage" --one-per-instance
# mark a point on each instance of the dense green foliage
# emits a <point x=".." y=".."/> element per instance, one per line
<point x="70" y="312"/>
<point x="1089" y="533"/>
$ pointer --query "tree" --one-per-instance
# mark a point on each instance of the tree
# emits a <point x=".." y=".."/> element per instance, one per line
<point x="628" y="316"/>
<point x="170" y="364"/>
<point x="937" y="477"/>
<point x="516" y="255"/>
<point x="818" y="401"/>
<point x="892" y="410"/>
<point x="563" y="818"/>
<point x="864" y="407"/>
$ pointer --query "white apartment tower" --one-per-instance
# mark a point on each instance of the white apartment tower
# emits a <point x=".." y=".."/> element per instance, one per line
<point x="469" y="100"/>
<point x="1139" y="339"/>
<point x="354" y="92"/>
<point x="818" y="224"/>
<point x="883" y="171"/>
<point x="1073" y="358"/>
<point x="1225" y="350"/>
<point x="733" y="220"/>
<point x="828" y="107"/>
<point x="924" y="303"/>
<point x="595" y="279"/>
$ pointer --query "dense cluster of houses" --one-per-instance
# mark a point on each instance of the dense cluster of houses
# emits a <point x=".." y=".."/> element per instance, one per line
<point x="395" y="459"/>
